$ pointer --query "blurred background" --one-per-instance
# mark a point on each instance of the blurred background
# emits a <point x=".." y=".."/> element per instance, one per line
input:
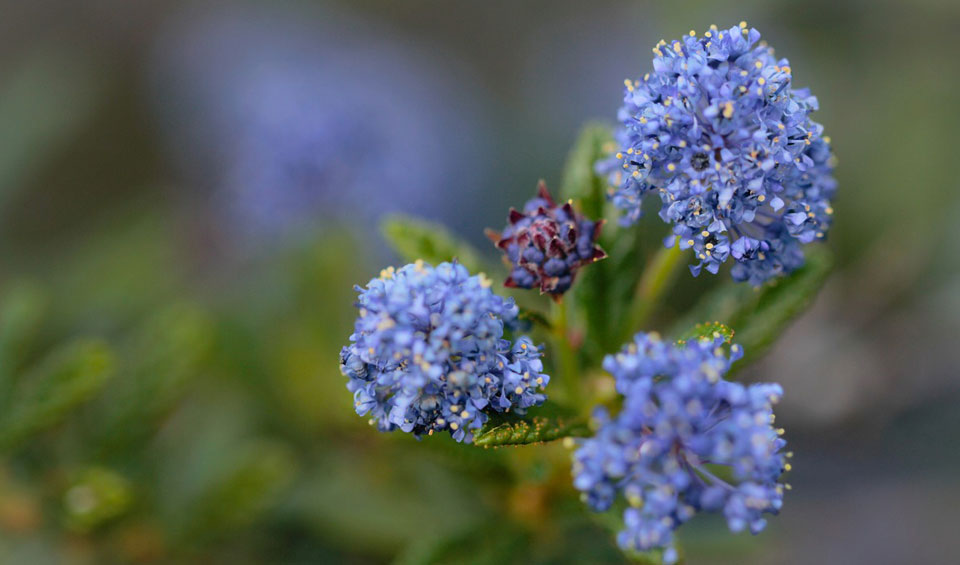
<point x="189" y="190"/>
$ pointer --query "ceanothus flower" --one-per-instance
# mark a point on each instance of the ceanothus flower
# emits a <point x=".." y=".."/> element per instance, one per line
<point x="719" y="133"/>
<point x="428" y="353"/>
<point x="546" y="244"/>
<point x="685" y="441"/>
<point x="289" y="122"/>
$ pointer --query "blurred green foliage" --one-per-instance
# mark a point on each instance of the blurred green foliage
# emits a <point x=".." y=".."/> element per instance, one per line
<point x="163" y="401"/>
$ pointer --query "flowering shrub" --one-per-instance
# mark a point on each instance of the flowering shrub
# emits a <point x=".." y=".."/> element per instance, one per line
<point x="719" y="133"/>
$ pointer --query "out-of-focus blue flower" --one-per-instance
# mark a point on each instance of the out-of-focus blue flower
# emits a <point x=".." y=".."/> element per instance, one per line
<point x="720" y="134"/>
<point x="428" y="353"/>
<point x="545" y="245"/>
<point x="685" y="441"/>
<point x="294" y="120"/>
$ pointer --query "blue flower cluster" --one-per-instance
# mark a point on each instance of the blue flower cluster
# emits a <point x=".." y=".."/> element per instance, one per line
<point x="720" y="134"/>
<point x="428" y="353"/>
<point x="287" y="125"/>
<point x="546" y="244"/>
<point x="685" y="441"/>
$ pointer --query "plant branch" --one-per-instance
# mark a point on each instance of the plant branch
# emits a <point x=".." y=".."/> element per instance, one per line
<point x="658" y="275"/>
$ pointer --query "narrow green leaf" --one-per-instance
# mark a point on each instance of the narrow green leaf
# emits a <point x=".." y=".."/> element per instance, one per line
<point x="491" y="545"/>
<point x="96" y="496"/>
<point x="653" y="557"/>
<point x="542" y="424"/>
<point x="573" y="539"/>
<point x="65" y="379"/>
<point x="21" y="311"/>
<point x="237" y="498"/>
<point x="591" y="296"/>
<point x="708" y="330"/>
<point x="605" y="290"/>
<point x="580" y="182"/>
<point x="783" y="301"/>
<point x="657" y="277"/>
<point x="414" y="239"/>
<point x="161" y="361"/>
<point x="759" y="316"/>
<point x="360" y="501"/>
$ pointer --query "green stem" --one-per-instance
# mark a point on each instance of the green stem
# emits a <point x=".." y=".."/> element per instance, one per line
<point x="567" y="378"/>
<point x="658" y="275"/>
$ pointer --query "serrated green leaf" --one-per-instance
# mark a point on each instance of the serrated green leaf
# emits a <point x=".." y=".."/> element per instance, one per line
<point x="710" y="330"/>
<point x="759" y="316"/>
<point x="65" y="379"/>
<point x="414" y="239"/>
<point x="580" y="182"/>
<point x="542" y="424"/>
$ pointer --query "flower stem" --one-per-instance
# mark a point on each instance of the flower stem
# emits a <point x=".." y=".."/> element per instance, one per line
<point x="658" y="275"/>
<point x="566" y="363"/>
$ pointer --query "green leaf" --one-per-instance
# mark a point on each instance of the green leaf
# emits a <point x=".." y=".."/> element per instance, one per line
<point x="96" y="496"/>
<point x="658" y="276"/>
<point x="760" y="315"/>
<point x="21" y="311"/>
<point x="591" y="296"/>
<point x="164" y="356"/>
<point x="573" y="538"/>
<point x="709" y="330"/>
<point x="542" y="424"/>
<point x="65" y="379"/>
<point x="652" y="557"/>
<point x="365" y="497"/>
<point x="580" y="182"/>
<point x="605" y="289"/>
<point x="107" y="281"/>
<point x="492" y="545"/>
<point x="414" y="239"/>
<point x="254" y="482"/>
